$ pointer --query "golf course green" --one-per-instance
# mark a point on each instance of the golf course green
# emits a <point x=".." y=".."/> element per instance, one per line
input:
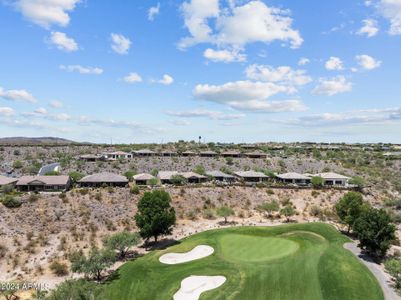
<point x="295" y="261"/>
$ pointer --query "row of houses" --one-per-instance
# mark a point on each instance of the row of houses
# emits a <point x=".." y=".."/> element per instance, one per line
<point x="62" y="182"/>
<point x="149" y="153"/>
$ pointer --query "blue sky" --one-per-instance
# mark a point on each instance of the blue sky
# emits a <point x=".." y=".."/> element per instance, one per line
<point x="229" y="71"/>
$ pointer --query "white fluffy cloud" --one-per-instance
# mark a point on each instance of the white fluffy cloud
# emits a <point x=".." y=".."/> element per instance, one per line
<point x="334" y="64"/>
<point x="47" y="12"/>
<point x="203" y="113"/>
<point x="225" y="56"/>
<point x="6" y="111"/>
<point x="17" y="95"/>
<point x="133" y="78"/>
<point x="391" y="10"/>
<point x="303" y="61"/>
<point x="166" y="80"/>
<point x="332" y="86"/>
<point x="56" y="104"/>
<point x="367" y="62"/>
<point x="263" y="24"/>
<point x="153" y="12"/>
<point x="63" y="42"/>
<point x="81" y="69"/>
<point x="284" y="74"/>
<point x="248" y="96"/>
<point x="370" y="28"/>
<point x="367" y="116"/>
<point x="120" y="44"/>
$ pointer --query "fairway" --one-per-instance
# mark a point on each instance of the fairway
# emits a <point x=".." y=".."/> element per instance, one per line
<point x="297" y="261"/>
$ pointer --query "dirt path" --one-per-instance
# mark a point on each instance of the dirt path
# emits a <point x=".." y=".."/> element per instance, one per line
<point x="382" y="277"/>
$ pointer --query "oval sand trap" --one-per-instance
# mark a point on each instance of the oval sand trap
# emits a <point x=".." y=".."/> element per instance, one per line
<point x="178" y="258"/>
<point x="193" y="286"/>
<point x="248" y="248"/>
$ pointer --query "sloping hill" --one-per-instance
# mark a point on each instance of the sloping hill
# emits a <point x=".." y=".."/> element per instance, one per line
<point x="34" y="141"/>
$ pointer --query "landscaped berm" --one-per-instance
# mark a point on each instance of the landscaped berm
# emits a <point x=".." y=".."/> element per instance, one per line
<point x="295" y="261"/>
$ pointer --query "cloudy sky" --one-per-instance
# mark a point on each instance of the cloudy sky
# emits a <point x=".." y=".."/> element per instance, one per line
<point x="227" y="70"/>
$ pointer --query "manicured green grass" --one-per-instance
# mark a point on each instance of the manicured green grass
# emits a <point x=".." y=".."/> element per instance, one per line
<point x="297" y="261"/>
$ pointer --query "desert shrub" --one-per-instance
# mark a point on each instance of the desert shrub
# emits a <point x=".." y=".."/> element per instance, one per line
<point x="208" y="214"/>
<point x="315" y="211"/>
<point x="270" y="192"/>
<point x="11" y="202"/>
<point x="7" y="189"/>
<point x="17" y="164"/>
<point x="59" y="269"/>
<point x="134" y="190"/>
<point x="33" y="197"/>
<point x="84" y="191"/>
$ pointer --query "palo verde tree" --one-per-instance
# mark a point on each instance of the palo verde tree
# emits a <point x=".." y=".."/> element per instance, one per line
<point x="375" y="231"/>
<point x="317" y="181"/>
<point x="269" y="207"/>
<point x="155" y="214"/>
<point x="350" y="207"/>
<point x="94" y="264"/>
<point x="225" y="212"/>
<point x="121" y="242"/>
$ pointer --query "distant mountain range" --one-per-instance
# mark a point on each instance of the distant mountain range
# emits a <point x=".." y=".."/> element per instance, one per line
<point x="34" y="141"/>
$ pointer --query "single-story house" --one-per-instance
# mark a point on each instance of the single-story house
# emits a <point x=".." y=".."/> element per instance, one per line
<point x="43" y="183"/>
<point x="118" y="155"/>
<point x="334" y="179"/>
<point x="100" y="179"/>
<point x="220" y="176"/>
<point x="294" y="178"/>
<point x="188" y="153"/>
<point x="91" y="157"/>
<point x="144" y="153"/>
<point x="251" y="176"/>
<point x="168" y="153"/>
<point x="7" y="180"/>
<point x="55" y="167"/>
<point x="208" y="154"/>
<point x="142" y="179"/>
<point x="193" y="177"/>
<point x="165" y="176"/>
<point x="232" y="154"/>
<point x="255" y="155"/>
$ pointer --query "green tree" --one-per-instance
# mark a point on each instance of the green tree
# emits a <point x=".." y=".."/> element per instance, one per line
<point x="349" y="208"/>
<point x="74" y="289"/>
<point x="129" y="175"/>
<point x="269" y="207"/>
<point x="225" y="212"/>
<point x="393" y="267"/>
<point x="75" y="176"/>
<point x="375" y="231"/>
<point x="178" y="180"/>
<point x="17" y="164"/>
<point x="200" y="170"/>
<point x="154" y="172"/>
<point x="317" y="181"/>
<point x="94" y="264"/>
<point x="357" y="181"/>
<point x="155" y="214"/>
<point x="121" y="242"/>
<point x="288" y="211"/>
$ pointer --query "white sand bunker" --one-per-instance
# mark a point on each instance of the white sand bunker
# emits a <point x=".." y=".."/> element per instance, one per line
<point x="178" y="258"/>
<point x="193" y="286"/>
